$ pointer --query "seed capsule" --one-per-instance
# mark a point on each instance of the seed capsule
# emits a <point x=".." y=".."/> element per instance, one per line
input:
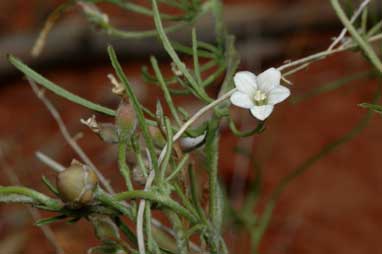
<point x="77" y="184"/>
<point x="126" y="117"/>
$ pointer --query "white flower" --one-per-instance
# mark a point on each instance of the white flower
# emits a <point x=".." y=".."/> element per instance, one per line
<point x="259" y="93"/>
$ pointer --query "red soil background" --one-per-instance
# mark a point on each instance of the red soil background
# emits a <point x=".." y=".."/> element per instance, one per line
<point x="334" y="208"/>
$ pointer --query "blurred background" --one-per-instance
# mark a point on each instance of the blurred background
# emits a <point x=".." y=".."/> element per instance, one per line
<point x="334" y="208"/>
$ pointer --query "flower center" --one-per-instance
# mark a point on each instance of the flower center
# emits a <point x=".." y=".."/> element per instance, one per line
<point x="260" y="98"/>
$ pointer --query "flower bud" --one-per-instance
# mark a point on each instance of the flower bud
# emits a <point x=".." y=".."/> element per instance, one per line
<point x="126" y="117"/>
<point x="188" y="144"/>
<point x="77" y="184"/>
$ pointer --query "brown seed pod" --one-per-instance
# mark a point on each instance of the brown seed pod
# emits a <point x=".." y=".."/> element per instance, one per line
<point x="77" y="184"/>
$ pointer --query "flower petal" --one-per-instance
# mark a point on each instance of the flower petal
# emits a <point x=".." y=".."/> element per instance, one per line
<point x="262" y="112"/>
<point x="241" y="100"/>
<point x="269" y="79"/>
<point x="245" y="82"/>
<point x="278" y="94"/>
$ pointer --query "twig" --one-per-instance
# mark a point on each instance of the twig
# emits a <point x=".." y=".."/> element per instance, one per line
<point x="141" y="209"/>
<point x="49" y="162"/>
<point x="47" y="231"/>
<point x="360" y="41"/>
<point x="200" y="113"/>
<point x="353" y="18"/>
<point x="55" y="114"/>
<point x="318" y="56"/>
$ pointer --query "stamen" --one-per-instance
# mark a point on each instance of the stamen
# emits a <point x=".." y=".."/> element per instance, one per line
<point x="260" y="98"/>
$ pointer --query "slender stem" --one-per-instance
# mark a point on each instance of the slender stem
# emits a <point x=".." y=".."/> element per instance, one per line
<point x="178" y="168"/>
<point x="29" y="193"/>
<point x="123" y="167"/>
<point x="165" y="90"/>
<point x="141" y="209"/>
<point x="137" y="106"/>
<point x="49" y="162"/>
<point x="202" y="111"/>
<point x="320" y="55"/>
<point x="365" y="46"/>
<point x="356" y="14"/>
<point x="211" y="151"/>
<point x="167" y="156"/>
<point x="68" y="138"/>
<point x="174" y="56"/>
<point x="196" y="56"/>
<point x="180" y="236"/>
<point x="155" y="197"/>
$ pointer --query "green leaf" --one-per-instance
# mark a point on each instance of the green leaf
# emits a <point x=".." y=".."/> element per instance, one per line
<point x="49" y="220"/>
<point x="50" y="186"/>
<point x="57" y="89"/>
<point x="374" y="107"/>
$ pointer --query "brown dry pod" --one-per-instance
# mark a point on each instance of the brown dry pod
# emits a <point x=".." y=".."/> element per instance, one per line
<point x="77" y="184"/>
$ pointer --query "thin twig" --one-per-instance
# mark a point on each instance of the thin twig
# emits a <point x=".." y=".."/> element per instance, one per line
<point x="50" y="162"/>
<point x="141" y="210"/>
<point x="353" y="18"/>
<point x="65" y="133"/>
<point x="47" y="231"/>
<point x="320" y="55"/>
<point x="200" y="113"/>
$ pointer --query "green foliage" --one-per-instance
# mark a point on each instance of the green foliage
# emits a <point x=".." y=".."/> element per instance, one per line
<point x="169" y="173"/>
<point x="373" y="107"/>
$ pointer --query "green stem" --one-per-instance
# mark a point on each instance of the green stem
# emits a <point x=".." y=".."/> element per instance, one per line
<point x="165" y="90"/>
<point x="180" y="236"/>
<point x="364" y="45"/>
<point x="211" y="151"/>
<point x="258" y="129"/>
<point x="139" y="34"/>
<point x="6" y="193"/>
<point x="174" y="56"/>
<point x="109" y="201"/>
<point x="167" y="156"/>
<point x="178" y="168"/>
<point x="217" y="10"/>
<point x="137" y="107"/>
<point x="123" y="167"/>
<point x="194" y="194"/>
<point x="195" y="57"/>
<point x="138" y="9"/>
<point x="157" y="198"/>
<point x="184" y="198"/>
